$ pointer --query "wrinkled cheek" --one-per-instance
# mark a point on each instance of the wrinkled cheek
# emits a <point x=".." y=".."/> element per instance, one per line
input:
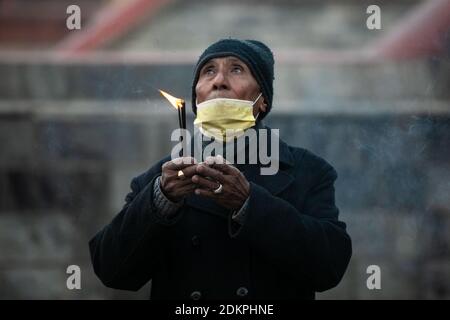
<point x="201" y="92"/>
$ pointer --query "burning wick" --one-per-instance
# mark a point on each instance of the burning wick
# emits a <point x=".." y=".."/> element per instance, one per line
<point x="178" y="104"/>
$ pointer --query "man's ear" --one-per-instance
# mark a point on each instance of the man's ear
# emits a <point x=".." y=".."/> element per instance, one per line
<point x="263" y="105"/>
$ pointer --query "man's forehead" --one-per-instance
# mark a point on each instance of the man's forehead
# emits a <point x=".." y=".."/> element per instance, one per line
<point x="226" y="58"/>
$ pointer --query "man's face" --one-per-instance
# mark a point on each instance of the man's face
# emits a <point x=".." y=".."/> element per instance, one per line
<point x="228" y="77"/>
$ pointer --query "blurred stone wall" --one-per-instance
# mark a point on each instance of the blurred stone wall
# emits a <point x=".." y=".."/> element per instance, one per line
<point x="73" y="136"/>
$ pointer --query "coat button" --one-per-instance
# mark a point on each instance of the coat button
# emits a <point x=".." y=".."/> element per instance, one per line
<point x="195" y="241"/>
<point x="196" y="295"/>
<point x="242" y="291"/>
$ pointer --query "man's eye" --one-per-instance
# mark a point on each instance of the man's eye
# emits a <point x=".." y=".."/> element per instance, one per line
<point x="236" y="69"/>
<point x="209" y="71"/>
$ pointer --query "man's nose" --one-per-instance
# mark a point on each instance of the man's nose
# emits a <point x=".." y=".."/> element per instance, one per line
<point x="220" y="82"/>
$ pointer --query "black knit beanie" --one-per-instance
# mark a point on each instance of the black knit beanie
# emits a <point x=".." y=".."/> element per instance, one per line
<point x="255" y="54"/>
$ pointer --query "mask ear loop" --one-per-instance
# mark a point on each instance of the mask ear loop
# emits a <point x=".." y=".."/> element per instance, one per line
<point x="256" y="118"/>
<point x="257" y="98"/>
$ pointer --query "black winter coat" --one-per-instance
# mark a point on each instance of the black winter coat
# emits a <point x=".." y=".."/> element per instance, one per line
<point x="290" y="246"/>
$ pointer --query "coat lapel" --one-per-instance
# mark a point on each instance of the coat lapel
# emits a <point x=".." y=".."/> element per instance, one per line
<point x="275" y="184"/>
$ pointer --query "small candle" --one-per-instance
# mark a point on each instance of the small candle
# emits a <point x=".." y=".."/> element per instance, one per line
<point x="180" y="105"/>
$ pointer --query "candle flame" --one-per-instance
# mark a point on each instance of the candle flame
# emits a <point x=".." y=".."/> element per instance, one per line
<point x="175" y="102"/>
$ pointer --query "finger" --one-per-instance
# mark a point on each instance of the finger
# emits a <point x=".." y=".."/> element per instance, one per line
<point x="206" y="171"/>
<point x="187" y="189"/>
<point x="221" y="160"/>
<point x="179" y="163"/>
<point x="182" y="185"/>
<point x="226" y="168"/>
<point x="190" y="171"/>
<point x="205" y="193"/>
<point x="175" y="180"/>
<point x="209" y="160"/>
<point x="184" y="182"/>
<point x="205" y="183"/>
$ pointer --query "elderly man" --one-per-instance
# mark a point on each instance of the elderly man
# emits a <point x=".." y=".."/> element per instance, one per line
<point x="214" y="230"/>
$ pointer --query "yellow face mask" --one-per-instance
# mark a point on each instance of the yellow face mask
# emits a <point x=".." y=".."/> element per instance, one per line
<point x="224" y="119"/>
